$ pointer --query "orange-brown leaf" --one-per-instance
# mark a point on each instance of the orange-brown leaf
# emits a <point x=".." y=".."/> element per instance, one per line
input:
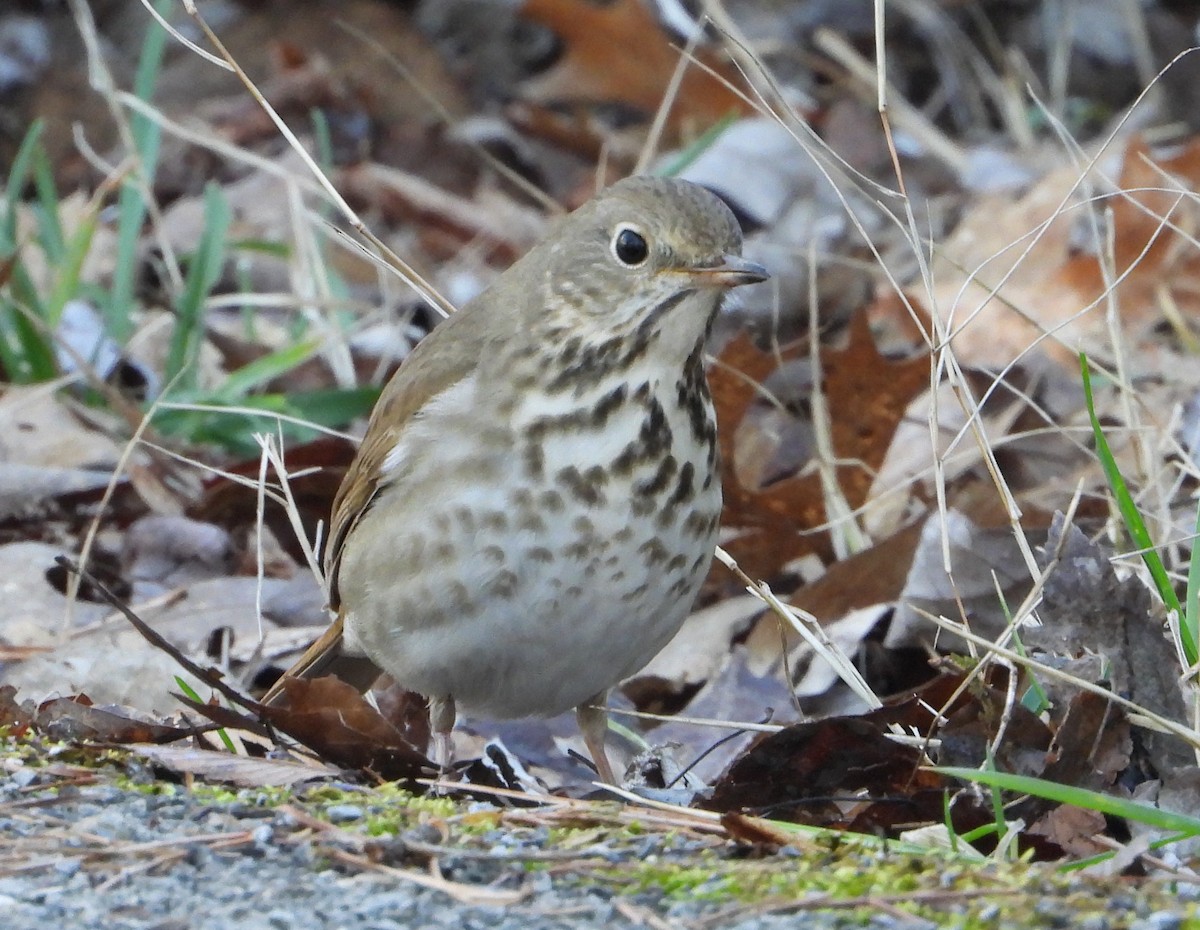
<point x="617" y="52"/>
<point x="867" y="395"/>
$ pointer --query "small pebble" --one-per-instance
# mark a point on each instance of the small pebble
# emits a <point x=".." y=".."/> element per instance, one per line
<point x="1159" y="920"/>
<point x="344" y="813"/>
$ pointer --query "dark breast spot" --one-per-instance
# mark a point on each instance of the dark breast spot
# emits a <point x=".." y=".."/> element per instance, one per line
<point x="642" y="506"/>
<point x="657" y="483"/>
<point x="504" y="585"/>
<point x="535" y="460"/>
<point x="586" y="487"/>
<point x="465" y="517"/>
<point x="639" y="591"/>
<point x="653" y="440"/>
<point x="694" y="398"/>
<point x="578" y="550"/>
<point x="495" y="520"/>
<point x="607" y="404"/>
<point x="685" y="487"/>
<point x="531" y="521"/>
<point x="654" y="552"/>
<point x="551" y="501"/>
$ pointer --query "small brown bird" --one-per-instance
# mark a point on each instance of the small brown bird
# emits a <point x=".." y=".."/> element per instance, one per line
<point x="535" y="503"/>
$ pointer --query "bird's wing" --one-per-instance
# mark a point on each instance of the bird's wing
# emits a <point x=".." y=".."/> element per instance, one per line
<point x="440" y="360"/>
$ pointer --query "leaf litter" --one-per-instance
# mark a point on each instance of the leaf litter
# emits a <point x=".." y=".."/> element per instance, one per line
<point x="903" y="458"/>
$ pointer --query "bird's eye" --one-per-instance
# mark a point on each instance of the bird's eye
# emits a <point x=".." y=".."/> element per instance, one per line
<point x="630" y="247"/>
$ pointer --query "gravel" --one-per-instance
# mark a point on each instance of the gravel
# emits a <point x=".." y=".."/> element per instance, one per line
<point x="102" y="856"/>
<point x="105" y="857"/>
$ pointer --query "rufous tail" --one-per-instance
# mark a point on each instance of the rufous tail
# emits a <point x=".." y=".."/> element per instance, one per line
<point x="328" y="656"/>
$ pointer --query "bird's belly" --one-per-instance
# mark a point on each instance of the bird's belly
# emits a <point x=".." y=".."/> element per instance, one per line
<point x="515" y="595"/>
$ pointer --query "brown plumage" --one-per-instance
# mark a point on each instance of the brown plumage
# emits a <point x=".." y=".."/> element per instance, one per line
<point x="535" y="503"/>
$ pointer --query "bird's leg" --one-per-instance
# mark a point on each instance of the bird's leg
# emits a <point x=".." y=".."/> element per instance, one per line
<point x="592" y="717"/>
<point x="441" y="720"/>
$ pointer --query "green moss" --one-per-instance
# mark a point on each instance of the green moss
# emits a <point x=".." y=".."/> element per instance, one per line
<point x="637" y="858"/>
<point x="934" y="886"/>
<point x="149" y="788"/>
<point x="265" y="796"/>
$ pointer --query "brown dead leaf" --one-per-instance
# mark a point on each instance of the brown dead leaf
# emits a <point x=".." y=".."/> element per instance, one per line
<point x="1074" y="829"/>
<point x="847" y="773"/>
<point x="1085" y="605"/>
<point x="16" y="715"/>
<point x="1090" y="750"/>
<point x="871" y="576"/>
<point x="970" y="732"/>
<point x="243" y="771"/>
<point x="335" y="721"/>
<point x="597" y="37"/>
<point x="37" y="429"/>
<point x="867" y="394"/>
<point x="1150" y="260"/>
<point x="75" y="719"/>
<point x="1046" y="284"/>
<point x="808" y="773"/>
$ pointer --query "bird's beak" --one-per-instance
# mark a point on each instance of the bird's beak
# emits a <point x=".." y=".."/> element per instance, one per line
<point x="729" y="271"/>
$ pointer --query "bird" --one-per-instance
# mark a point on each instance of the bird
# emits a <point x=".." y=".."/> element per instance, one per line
<point x="536" y="499"/>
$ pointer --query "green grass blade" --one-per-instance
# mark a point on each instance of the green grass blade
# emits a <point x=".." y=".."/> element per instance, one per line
<point x="150" y="59"/>
<point x="21" y="166"/>
<point x="234" y="431"/>
<point x="131" y="208"/>
<point x="1079" y="797"/>
<point x="1134" y="524"/>
<point x="26" y="353"/>
<point x="25" y="349"/>
<point x="70" y="268"/>
<point x="203" y="272"/>
<point x="190" y="692"/>
<point x="333" y="407"/>
<point x="264" y="369"/>
<point x="50" y="231"/>
<point x="1190" y="622"/>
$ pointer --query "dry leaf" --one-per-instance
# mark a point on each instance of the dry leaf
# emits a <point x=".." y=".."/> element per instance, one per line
<point x="243" y="771"/>
<point x="867" y="394"/>
<point x="1027" y="248"/>
<point x="597" y="37"/>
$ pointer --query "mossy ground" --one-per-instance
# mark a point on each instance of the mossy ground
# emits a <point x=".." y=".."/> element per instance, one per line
<point x="601" y="847"/>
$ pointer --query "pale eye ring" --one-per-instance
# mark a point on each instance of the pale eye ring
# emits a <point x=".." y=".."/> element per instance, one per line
<point x="629" y="246"/>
